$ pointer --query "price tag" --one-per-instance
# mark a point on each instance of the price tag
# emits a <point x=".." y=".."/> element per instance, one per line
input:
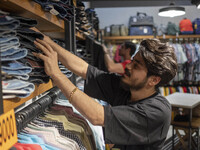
<point x="8" y="131"/>
<point x="134" y="19"/>
<point x="145" y="30"/>
<point x="108" y="29"/>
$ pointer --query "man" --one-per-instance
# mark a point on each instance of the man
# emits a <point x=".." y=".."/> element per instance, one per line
<point x="126" y="50"/>
<point x="138" y="117"/>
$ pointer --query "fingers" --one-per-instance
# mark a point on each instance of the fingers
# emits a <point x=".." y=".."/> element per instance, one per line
<point x="39" y="55"/>
<point x="41" y="47"/>
<point x="35" y="29"/>
<point x="45" y="44"/>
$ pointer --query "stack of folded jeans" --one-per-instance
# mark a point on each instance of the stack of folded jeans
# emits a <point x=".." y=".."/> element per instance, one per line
<point x="59" y="8"/>
<point x="92" y="18"/>
<point x="26" y="37"/>
<point x="82" y="53"/>
<point x="82" y="23"/>
<point x="63" y="69"/>
<point x="13" y="71"/>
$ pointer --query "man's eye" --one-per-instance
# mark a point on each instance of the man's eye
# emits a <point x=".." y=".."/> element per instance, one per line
<point x="135" y="66"/>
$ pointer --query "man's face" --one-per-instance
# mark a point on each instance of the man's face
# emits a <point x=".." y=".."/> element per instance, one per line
<point x="135" y="76"/>
<point x="122" y="50"/>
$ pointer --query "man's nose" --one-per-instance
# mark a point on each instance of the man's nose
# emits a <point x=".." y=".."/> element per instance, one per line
<point x="128" y="66"/>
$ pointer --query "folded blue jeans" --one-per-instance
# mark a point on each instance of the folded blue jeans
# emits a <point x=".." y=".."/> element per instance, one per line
<point x="15" y="68"/>
<point x="61" y="1"/>
<point x="8" y="42"/>
<point x="8" y="33"/>
<point x="13" y="54"/>
<point x="27" y="44"/>
<point x="29" y="34"/>
<point x="8" y="23"/>
<point x="32" y="57"/>
<point x="22" y="77"/>
<point x="53" y="8"/>
<point x="25" y="22"/>
<point x="16" y="84"/>
<point x="38" y="80"/>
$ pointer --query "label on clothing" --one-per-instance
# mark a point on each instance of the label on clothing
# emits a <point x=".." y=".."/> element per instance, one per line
<point x="54" y="12"/>
<point x="108" y="29"/>
<point x="145" y="30"/>
<point x="8" y="131"/>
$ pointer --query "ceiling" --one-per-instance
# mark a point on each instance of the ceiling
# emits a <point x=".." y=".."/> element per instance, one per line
<point x="134" y="3"/>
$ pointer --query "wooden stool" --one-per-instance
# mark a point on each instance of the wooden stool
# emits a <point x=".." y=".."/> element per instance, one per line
<point x="184" y="126"/>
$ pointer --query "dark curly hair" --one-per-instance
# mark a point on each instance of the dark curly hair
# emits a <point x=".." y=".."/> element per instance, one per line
<point x="160" y="59"/>
<point x="130" y="45"/>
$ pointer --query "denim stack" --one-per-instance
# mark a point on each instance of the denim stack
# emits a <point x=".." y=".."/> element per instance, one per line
<point x="14" y="73"/>
<point x="82" y="52"/>
<point x="60" y="8"/>
<point x="82" y="23"/>
<point x="93" y="19"/>
<point x="26" y="37"/>
<point x="63" y="69"/>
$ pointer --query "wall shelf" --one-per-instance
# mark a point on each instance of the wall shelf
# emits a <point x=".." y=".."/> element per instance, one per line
<point x="13" y="103"/>
<point x="49" y="24"/>
<point x="122" y="38"/>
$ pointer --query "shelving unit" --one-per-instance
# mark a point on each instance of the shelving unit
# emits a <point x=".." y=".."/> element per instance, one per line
<point x="13" y="103"/>
<point x="48" y="24"/>
<point x="115" y="39"/>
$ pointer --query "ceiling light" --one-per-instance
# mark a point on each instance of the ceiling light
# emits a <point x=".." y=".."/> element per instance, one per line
<point x="197" y="3"/>
<point x="171" y="11"/>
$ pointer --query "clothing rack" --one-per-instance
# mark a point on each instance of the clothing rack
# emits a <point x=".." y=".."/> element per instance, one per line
<point x="24" y="116"/>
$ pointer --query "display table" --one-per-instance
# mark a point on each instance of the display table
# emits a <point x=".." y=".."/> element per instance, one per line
<point x="185" y="101"/>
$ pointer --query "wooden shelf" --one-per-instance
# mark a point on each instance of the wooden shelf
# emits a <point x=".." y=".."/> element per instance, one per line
<point x="80" y="36"/>
<point x="180" y="36"/>
<point x="127" y="37"/>
<point x="47" y="22"/>
<point x="122" y="38"/>
<point x="13" y="103"/>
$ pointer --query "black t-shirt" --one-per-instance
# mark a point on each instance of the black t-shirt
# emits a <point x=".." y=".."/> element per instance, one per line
<point x="140" y="125"/>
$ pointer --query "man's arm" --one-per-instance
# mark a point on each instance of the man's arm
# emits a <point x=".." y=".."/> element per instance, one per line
<point x="110" y="64"/>
<point x="69" y="60"/>
<point x="92" y="110"/>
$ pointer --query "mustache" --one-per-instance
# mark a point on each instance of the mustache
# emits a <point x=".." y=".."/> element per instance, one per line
<point x="127" y="72"/>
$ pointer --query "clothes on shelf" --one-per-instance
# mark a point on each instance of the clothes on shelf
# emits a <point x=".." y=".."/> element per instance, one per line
<point x="182" y="89"/>
<point x="19" y="66"/>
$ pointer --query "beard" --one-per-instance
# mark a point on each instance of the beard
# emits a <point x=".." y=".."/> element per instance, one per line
<point x="133" y="86"/>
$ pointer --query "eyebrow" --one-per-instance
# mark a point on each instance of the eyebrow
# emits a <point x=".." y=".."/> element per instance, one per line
<point x="138" y="62"/>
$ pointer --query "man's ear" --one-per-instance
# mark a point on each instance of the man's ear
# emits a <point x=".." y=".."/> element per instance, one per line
<point x="154" y="80"/>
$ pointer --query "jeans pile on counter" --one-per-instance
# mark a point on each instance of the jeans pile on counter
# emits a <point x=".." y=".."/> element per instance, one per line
<point x="20" y="68"/>
<point x="60" y="8"/>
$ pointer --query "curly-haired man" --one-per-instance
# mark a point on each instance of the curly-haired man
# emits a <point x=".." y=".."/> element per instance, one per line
<point x="138" y="117"/>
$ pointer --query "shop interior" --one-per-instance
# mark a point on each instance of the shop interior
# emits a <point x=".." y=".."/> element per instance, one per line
<point x="29" y="98"/>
